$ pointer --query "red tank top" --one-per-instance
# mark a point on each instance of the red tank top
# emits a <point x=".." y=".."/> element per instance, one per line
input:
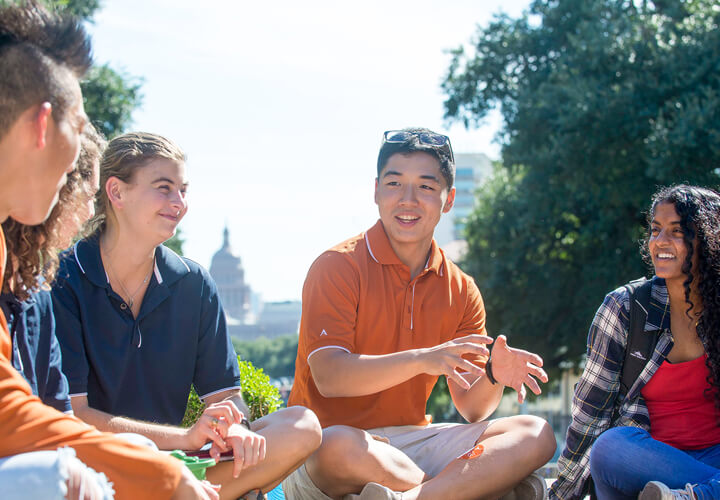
<point x="682" y="410"/>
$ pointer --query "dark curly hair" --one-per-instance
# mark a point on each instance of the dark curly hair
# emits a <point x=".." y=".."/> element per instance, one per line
<point x="33" y="250"/>
<point x="699" y="211"/>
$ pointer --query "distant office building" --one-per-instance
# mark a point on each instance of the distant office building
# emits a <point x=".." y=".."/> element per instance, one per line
<point x="227" y="271"/>
<point x="471" y="169"/>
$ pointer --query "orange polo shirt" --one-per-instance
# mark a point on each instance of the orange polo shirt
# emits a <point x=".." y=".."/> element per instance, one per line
<point x="359" y="297"/>
<point x="28" y="425"/>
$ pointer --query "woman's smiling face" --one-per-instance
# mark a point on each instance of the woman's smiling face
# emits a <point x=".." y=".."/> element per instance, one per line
<point x="667" y="243"/>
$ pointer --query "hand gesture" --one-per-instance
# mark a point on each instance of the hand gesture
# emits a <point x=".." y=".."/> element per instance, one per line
<point x="516" y="368"/>
<point x="447" y="359"/>
<point x="213" y="425"/>
<point x="248" y="447"/>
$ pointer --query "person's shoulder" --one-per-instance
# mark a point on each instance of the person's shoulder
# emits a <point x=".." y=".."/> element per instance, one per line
<point x="178" y="263"/>
<point x="178" y="267"/>
<point x="621" y="295"/>
<point x="350" y="251"/>
<point x="352" y="247"/>
<point x="72" y="262"/>
<point x="455" y="274"/>
<point x="453" y="270"/>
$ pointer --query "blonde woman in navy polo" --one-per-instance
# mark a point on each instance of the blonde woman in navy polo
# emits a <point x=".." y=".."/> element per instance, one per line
<point x="138" y="325"/>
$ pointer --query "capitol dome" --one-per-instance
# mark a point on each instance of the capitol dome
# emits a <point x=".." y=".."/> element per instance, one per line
<point x="229" y="275"/>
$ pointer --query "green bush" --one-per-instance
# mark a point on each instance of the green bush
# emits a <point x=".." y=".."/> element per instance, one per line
<point x="259" y="394"/>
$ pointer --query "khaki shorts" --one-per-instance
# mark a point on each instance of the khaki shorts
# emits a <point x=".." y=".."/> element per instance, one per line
<point x="431" y="447"/>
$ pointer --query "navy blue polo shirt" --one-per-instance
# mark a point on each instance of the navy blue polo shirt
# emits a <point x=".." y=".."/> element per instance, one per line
<point x="35" y="349"/>
<point x="141" y="367"/>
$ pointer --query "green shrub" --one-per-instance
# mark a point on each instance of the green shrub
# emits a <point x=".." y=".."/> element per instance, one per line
<point x="259" y="394"/>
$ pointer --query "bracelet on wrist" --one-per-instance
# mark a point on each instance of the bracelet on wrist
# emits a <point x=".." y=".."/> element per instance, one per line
<point x="489" y="373"/>
<point x="245" y="422"/>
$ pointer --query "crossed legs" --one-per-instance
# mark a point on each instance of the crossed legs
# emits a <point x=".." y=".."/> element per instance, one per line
<point x="514" y="447"/>
<point x="291" y="435"/>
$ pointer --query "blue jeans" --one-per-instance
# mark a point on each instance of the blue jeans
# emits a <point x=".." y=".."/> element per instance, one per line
<point x="624" y="459"/>
<point x="43" y="474"/>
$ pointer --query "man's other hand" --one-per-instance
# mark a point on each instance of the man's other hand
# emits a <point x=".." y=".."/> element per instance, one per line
<point x="517" y="368"/>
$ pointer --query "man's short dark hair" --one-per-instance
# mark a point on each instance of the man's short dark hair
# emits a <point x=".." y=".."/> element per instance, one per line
<point x="39" y="53"/>
<point x="413" y="145"/>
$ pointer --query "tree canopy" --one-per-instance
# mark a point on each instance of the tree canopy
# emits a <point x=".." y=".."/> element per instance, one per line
<point x="110" y="96"/>
<point x="603" y="101"/>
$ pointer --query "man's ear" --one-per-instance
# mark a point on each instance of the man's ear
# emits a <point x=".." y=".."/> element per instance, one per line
<point x="450" y="200"/>
<point x="376" y="188"/>
<point x="114" y="191"/>
<point x="41" y="120"/>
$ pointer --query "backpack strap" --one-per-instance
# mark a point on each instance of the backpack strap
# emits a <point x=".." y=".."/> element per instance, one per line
<point x="640" y="345"/>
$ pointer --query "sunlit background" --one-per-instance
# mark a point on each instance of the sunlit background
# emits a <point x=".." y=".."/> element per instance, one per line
<point x="280" y="107"/>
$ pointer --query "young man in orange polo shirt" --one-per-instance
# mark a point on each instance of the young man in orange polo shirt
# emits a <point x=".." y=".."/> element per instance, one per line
<point x="384" y="314"/>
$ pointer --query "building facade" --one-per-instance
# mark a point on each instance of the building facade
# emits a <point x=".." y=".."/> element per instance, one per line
<point x="471" y="169"/>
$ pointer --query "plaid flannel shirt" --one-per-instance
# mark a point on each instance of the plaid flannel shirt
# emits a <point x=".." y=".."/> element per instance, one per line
<point x="596" y="403"/>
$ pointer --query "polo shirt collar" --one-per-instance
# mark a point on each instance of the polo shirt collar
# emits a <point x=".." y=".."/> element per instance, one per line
<point x="169" y="266"/>
<point x="381" y="251"/>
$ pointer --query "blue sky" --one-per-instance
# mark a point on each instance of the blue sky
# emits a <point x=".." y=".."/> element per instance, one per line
<point x="280" y="107"/>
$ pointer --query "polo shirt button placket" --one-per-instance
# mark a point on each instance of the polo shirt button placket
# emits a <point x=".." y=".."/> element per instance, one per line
<point x="408" y="308"/>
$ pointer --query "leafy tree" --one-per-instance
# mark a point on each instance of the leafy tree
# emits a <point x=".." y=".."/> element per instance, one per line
<point x="110" y="97"/>
<point x="603" y="101"/>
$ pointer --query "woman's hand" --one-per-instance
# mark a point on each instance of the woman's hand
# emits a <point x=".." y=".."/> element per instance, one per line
<point x="213" y="425"/>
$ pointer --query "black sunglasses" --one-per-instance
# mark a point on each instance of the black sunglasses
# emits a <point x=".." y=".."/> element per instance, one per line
<point x="426" y="138"/>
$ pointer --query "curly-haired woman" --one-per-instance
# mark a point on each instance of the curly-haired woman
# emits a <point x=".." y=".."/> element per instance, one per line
<point x="31" y="264"/>
<point x="662" y="439"/>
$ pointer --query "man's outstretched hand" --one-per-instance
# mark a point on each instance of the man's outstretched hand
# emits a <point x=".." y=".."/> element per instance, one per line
<point x="517" y="368"/>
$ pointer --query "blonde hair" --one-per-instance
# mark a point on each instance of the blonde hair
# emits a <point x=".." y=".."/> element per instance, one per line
<point x="123" y="156"/>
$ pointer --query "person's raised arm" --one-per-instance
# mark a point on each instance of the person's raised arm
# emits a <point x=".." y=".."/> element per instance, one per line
<point x="338" y="373"/>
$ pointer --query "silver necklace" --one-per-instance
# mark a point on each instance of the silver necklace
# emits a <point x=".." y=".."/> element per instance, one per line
<point x="131" y="296"/>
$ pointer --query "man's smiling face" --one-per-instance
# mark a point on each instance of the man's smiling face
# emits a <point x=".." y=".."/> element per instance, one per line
<point x="411" y="195"/>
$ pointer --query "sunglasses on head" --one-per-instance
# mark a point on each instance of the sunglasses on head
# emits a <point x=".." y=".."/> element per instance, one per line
<point x="426" y="138"/>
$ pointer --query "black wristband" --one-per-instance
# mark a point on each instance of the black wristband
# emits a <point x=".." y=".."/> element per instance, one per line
<point x="245" y="422"/>
<point x="489" y="373"/>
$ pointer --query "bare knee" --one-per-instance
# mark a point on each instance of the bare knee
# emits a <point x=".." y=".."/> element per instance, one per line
<point x="306" y="430"/>
<point x="538" y="437"/>
<point x="339" y="452"/>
